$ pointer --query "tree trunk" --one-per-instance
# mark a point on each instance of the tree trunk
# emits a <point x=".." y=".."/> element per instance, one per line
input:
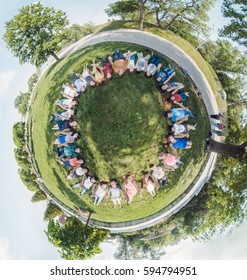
<point x="229" y="150"/>
<point x="158" y="20"/>
<point x="171" y="22"/>
<point x="142" y="14"/>
<point x="55" y="56"/>
<point x="239" y="102"/>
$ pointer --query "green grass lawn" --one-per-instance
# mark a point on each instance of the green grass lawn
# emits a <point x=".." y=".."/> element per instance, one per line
<point x="122" y="129"/>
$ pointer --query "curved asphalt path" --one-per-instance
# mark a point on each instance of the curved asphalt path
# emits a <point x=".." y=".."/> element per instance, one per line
<point x="182" y="59"/>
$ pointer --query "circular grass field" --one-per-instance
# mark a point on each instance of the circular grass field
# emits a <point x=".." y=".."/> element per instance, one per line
<point x="122" y="128"/>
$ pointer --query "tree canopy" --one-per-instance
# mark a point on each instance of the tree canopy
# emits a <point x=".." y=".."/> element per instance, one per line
<point x="35" y="33"/>
<point x="75" y="240"/>
<point x="236" y="11"/>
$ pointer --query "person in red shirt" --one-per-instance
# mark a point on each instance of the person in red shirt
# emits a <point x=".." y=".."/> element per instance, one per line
<point x="106" y="66"/>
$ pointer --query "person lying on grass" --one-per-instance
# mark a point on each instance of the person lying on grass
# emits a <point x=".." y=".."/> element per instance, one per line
<point x="100" y="192"/>
<point x="76" y="172"/>
<point x="179" y="114"/>
<point x="142" y="62"/>
<point x="69" y="151"/>
<point x="64" y="126"/>
<point x="66" y="103"/>
<point x="172" y="87"/>
<point x="158" y="174"/>
<point x="69" y="91"/>
<point x="86" y="183"/>
<point x="153" y="66"/>
<point x="178" y="143"/>
<point x="79" y="82"/>
<point x="88" y="77"/>
<point x="178" y="98"/>
<point x="71" y="161"/>
<point x="130" y="187"/>
<point x="130" y="56"/>
<point x="69" y="138"/>
<point x="98" y="74"/>
<point x="119" y="64"/>
<point x="181" y="130"/>
<point x="170" y="162"/>
<point x="148" y="183"/>
<point x="66" y="115"/>
<point x="164" y="75"/>
<point x="115" y="191"/>
<point x="106" y="66"/>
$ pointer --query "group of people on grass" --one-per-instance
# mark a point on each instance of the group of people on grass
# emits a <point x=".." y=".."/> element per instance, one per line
<point x="65" y="125"/>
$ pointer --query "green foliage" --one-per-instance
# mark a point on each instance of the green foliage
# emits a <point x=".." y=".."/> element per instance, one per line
<point x="76" y="32"/>
<point x="18" y="134"/>
<point x="187" y="19"/>
<point x="32" y="81"/>
<point x="224" y="58"/>
<point x="52" y="211"/>
<point x="125" y="9"/>
<point x="28" y="179"/>
<point x="132" y="248"/>
<point x="35" y="33"/>
<point x="75" y="241"/>
<point x="39" y="196"/>
<point x="236" y="11"/>
<point x="21" y="102"/>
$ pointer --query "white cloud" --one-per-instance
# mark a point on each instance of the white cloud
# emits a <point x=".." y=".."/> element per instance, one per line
<point x="6" y="79"/>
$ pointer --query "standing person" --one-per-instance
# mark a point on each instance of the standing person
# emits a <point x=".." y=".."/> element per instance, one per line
<point x="148" y="184"/>
<point x="130" y="187"/>
<point x="115" y="191"/>
<point x="217" y="116"/>
<point x="100" y="192"/>
<point x="159" y="175"/>
<point x="217" y="132"/>
<point x="218" y="125"/>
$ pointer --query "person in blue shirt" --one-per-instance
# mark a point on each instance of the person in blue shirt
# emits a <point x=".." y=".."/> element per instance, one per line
<point x="178" y="114"/>
<point x="164" y="75"/>
<point x="178" y="143"/>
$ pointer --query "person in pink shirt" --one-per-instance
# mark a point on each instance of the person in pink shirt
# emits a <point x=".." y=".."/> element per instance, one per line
<point x="130" y="187"/>
<point x="170" y="161"/>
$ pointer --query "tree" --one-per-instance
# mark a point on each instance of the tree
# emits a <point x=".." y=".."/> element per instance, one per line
<point x="39" y="196"/>
<point x="35" y="33"/>
<point x="229" y="150"/>
<point x="18" y="134"/>
<point x="21" y="102"/>
<point x="75" y="240"/>
<point x="52" y="211"/>
<point x="132" y="248"/>
<point x="236" y="11"/>
<point x="32" y="81"/>
<point x="125" y="9"/>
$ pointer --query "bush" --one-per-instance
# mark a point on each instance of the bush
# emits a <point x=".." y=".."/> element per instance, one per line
<point x="18" y="134"/>
<point x="39" y="196"/>
<point x="52" y="211"/>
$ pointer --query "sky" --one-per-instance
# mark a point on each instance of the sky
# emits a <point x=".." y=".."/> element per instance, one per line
<point x="21" y="223"/>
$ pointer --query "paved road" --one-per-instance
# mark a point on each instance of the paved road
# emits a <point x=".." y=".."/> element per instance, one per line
<point x="182" y="59"/>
